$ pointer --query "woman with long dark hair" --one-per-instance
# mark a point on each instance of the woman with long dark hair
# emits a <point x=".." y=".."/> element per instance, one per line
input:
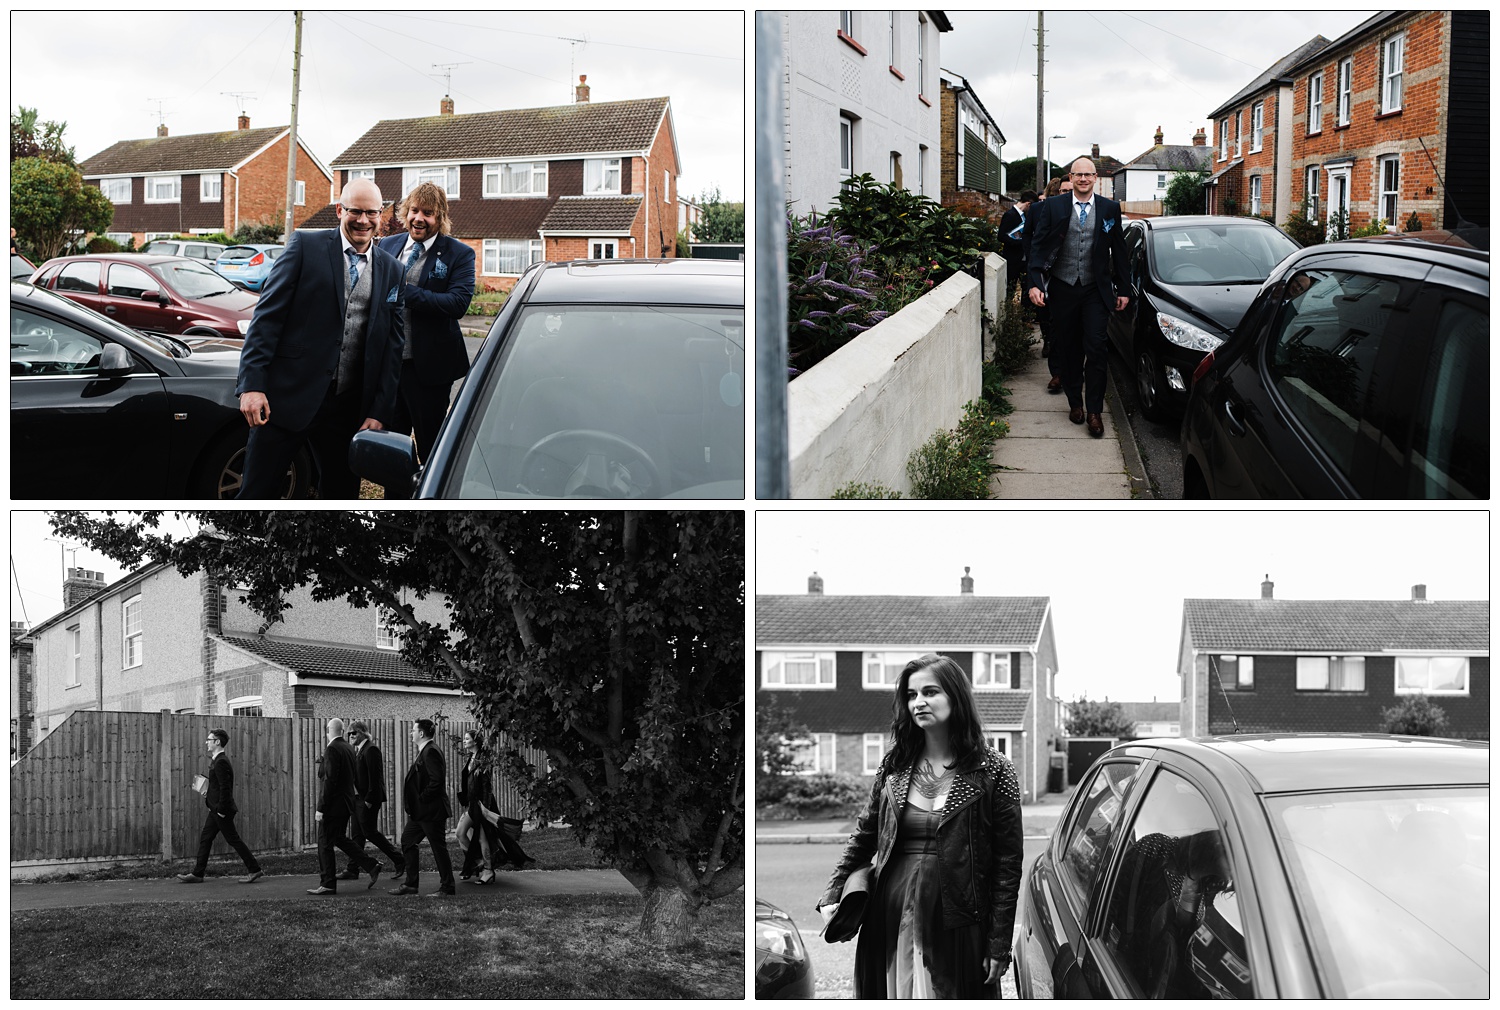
<point x="489" y="841"/>
<point x="943" y="832"/>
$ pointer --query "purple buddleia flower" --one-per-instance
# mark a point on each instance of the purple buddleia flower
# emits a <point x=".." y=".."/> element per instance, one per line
<point x="846" y="289"/>
<point x="819" y="314"/>
<point x="848" y="309"/>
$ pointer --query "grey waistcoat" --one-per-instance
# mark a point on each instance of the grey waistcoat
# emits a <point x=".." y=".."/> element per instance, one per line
<point x="1075" y="262"/>
<point x="356" y="322"/>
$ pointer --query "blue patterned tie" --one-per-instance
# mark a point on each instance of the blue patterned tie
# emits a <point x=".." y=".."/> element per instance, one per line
<point x="416" y="254"/>
<point x="1083" y="214"/>
<point x="354" y="259"/>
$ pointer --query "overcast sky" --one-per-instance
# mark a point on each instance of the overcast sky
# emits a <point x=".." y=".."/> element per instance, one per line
<point x="114" y="75"/>
<point x="1117" y="579"/>
<point x="1113" y="77"/>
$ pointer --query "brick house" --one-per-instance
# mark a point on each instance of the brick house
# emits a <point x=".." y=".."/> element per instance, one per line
<point x="1253" y="142"/>
<point x="833" y="662"/>
<point x="205" y="183"/>
<point x="972" y="173"/>
<point x="590" y="180"/>
<point x="157" y="640"/>
<point x="1330" y="666"/>
<point x="1153" y="718"/>
<point x="1145" y="178"/>
<point x="1367" y="104"/>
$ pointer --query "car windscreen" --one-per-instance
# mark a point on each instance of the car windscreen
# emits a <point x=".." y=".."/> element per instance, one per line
<point x="610" y="401"/>
<point x="1394" y="888"/>
<point x="192" y="280"/>
<point x="1217" y="253"/>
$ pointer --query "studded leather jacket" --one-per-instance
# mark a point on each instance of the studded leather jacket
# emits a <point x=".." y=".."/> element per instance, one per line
<point x="979" y="845"/>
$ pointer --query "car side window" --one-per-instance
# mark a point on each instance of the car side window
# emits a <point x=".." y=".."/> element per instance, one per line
<point x="1450" y="438"/>
<point x="1093" y="827"/>
<point x="1323" y="353"/>
<point x="43" y="346"/>
<point x="83" y="277"/>
<point x="126" y="281"/>
<point x="1173" y="925"/>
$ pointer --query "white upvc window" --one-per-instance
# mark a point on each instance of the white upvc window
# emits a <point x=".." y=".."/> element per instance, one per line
<point x="604" y="248"/>
<point x="445" y="176"/>
<point x="249" y="705"/>
<point x="361" y="173"/>
<point x="301" y="198"/>
<point x="802" y="670"/>
<point x="1161" y="180"/>
<point x="209" y="188"/>
<point x="163" y="189"/>
<point x="999" y="741"/>
<point x="921" y="53"/>
<point x="1255" y="194"/>
<point x="390" y="630"/>
<point x="1388" y="174"/>
<point x="1315" y="103"/>
<point x="1346" y="90"/>
<point x="991" y="671"/>
<point x="1312" y="184"/>
<point x="1432" y="675"/>
<point x="846" y="23"/>
<point x="1330" y="673"/>
<point x="814" y="754"/>
<point x="115" y="190"/>
<point x="509" y="257"/>
<point x="1239" y="140"/>
<point x="883" y="669"/>
<point x="1393" y="60"/>
<point x="130" y="622"/>
<point x="1237" y="672"/>
<point x="846" y="147"/>
<point x="75" y="656"/>
<point x="1257" y="126"/>
<point x="601" y="176"/>
<point x="1224" y="139"/>
<point x="874" y="752"/>
<point x="922" y="170"/>
<point x="515" y="178"/>
<point x="890" y="34"/>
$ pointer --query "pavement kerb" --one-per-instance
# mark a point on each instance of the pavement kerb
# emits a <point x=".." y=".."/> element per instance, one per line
<point x="1135" y="467"/>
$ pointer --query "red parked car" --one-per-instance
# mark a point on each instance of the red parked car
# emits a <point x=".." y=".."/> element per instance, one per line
<point x="167" y="294"/>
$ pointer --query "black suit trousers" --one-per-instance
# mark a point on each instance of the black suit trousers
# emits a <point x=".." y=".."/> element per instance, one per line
<point x="434" y="832"/>
<point x="272" y="448"/>
<point x="365" y="827"/>
<point x="212" y="828"/>
<point x="332" y="831"/>
<point x="420" y="408"/>
<point x="1079" y="344"/>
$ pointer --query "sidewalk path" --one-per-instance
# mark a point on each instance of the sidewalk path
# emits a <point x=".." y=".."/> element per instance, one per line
<point x="1039" y="820"/>
<point x="1050" y="457"/>
<point x="73" y="894"/>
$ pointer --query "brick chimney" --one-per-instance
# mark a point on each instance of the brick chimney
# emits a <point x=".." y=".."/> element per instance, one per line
<point x="243" y="123"/>
<point x="161" y="131"/>
<point x="445" y="107"/>
<point x="966" y="584"/>
<point x="1095" y="155"/>
<point x="814" y="584"/>
<point x="17" y="630"/>
<point x="581" y="93"/>
<point x="1266" y="587"/>
<point x="1158" y="136"/>
<point x="1200" y="139"/>
<point x="80" y="585"/>
<point x="1419" y="594"/>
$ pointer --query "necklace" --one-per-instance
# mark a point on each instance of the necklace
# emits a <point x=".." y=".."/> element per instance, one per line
<point x="928" y="784"/>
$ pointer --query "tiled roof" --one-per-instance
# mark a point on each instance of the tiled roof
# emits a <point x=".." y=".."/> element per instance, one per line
<point x="580" y="128"/>
<point x="916" y="621"/>
<point x="1276" y="71"/>
<point x="1338" y="625"/>
<point x="1002" y="709"/>
<point x="1151" y="711"/>
<point x="870" y="711"/>
<point x="1172" y="158"/>
<point x="338" y="663"/>
<point x="196" y="152"/>
<point x="592" y="213"/>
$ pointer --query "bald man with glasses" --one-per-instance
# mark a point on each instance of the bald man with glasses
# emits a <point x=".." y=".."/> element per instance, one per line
<point x="322" y="358"/>
<point x="1077" y="270"/>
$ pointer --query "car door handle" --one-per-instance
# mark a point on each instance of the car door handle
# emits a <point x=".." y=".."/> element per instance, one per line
<point x="109" y="310"/>
<point x="1236" y="426"/>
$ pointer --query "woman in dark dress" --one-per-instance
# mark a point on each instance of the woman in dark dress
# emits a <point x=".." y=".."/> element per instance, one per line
<point x="943" y="830"/>
<point x="486" y="845"/>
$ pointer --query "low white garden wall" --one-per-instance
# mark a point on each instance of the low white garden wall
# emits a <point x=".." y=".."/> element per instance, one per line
<point x="859" y="413"/>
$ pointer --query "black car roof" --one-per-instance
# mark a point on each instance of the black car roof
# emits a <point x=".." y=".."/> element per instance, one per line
<point x="1295" y="762"/>
<point x="1471" y="261"/>
<point x="649" y="282"/>
<point x="1199" y="220"/>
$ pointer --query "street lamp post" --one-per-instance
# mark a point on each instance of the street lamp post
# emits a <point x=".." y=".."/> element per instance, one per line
<point x="1055" y="136"/>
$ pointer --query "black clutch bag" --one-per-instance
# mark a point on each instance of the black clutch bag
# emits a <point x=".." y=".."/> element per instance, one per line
<point x="854" y="899"/>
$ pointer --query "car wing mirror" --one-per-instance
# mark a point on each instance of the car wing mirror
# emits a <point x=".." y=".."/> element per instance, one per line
<point x="386" y="458"/>
<point x="115" y="360"/>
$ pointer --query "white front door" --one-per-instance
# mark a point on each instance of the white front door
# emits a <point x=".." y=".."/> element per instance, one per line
<point x="1338" y="198"/>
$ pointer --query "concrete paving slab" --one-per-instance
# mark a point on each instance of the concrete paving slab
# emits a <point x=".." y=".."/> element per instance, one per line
<point x="1073" y="487"/>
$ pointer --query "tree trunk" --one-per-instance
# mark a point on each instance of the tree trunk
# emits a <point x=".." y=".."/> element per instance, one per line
<point x="670" y="916"/>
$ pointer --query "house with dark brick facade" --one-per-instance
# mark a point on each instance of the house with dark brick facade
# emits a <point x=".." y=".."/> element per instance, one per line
<point x="1331" y="666"/>
<point x="1387" y="114"/>
<point x="205" y="183"/>
<point x="156" y="640"/>
<point x="972" y="169"/>
<point x="833" y="662"/>
<point x="590" y="180"/>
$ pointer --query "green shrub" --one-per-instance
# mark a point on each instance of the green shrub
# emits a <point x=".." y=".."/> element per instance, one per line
<point x="1012" y="338"/>
<point x="1413" y="223"/>
<point x="810" y="793"/>
<point x="1338" y="225"/>
<point x="831" y="291"/>
<point x="910" y="226"/>
<point x="266" y="232"/>
<point x="955" y="465"/>
<point x="100" y="244"/>
<point x="1303" y="231"/>
<point x="1415" y="716"/>
<point x="1375" y="227"/>
<point x="856" y="490"/>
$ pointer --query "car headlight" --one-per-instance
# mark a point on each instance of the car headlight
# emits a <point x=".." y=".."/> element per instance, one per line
<point x="243" y="325"/>
<point x="1185" y="334"/>
<point x="777" y="935"/>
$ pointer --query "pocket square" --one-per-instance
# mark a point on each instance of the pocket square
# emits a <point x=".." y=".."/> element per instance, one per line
<point x="392" y="296"/>
<point x="1108" y="224"/>
<point x="440" y="269"/>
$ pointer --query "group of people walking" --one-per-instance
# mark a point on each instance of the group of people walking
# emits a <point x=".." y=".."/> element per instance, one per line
<point x="353" y="790"/>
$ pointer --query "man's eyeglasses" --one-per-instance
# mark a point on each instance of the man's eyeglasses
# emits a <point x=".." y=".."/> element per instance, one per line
<point x="1085" y="175"/>
<point x="356" y="212"/>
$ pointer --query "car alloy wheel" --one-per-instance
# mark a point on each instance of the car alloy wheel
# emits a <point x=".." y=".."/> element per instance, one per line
<point x="1149" y="384"/>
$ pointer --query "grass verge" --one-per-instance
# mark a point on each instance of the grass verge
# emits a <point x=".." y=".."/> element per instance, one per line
<point x="537" y="947"/>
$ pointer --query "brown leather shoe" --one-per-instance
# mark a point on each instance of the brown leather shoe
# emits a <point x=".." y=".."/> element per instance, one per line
<point x="1096" y="425"/>
<point x="1076" y="415"/>
<point x="1054" y="384"/>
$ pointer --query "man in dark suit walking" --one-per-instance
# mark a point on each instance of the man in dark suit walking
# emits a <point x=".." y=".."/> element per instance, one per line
<point x="1078" y="250"/>
<point x="369" y="795"/>
<point x="323" y="354"/>
<point x="221" y="810"/>
<point x="439" y="272"/>
<point x="425" y="793"/>
<point x="335" y="807"/>
<point x="1012" y="228"/>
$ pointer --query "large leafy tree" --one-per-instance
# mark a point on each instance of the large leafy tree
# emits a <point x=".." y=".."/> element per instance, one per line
<point x="32" y="138"/>
<point x="613" y="641"/>
<point x="1185" y="193"/>
<point x="721" y="222"/>
<point x="1098" y="718"/>
<point x="50" y="206"/>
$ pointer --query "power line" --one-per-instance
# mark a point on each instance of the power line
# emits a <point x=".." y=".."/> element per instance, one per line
<point x="1149" y="60"/>
<point x="1189" y="41"/>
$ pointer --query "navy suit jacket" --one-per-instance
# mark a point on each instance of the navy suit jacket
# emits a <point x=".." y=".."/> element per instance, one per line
<point x="425" y="788"/>
<point x="338" y="776"/>
<point x="436" y="303"/>
<point x="369" y="775"/>
<point x="1109" y="244"/>
<point x="220" y="795"/>
<point x="292" y="349"/>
